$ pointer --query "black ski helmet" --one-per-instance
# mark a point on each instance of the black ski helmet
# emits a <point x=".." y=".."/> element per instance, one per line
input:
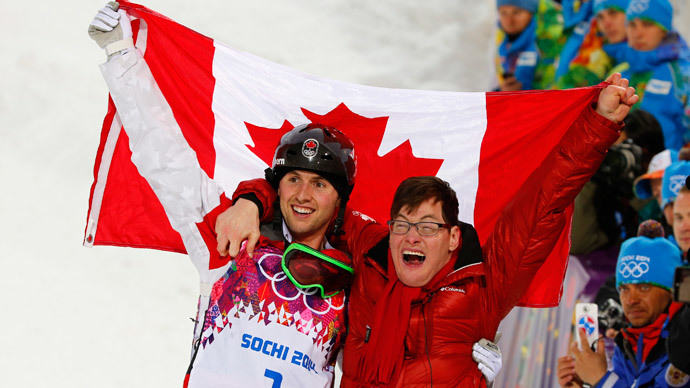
<point x="320" y="149"/>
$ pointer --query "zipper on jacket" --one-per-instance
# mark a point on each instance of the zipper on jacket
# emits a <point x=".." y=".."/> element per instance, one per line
<point x="426" y="303"/>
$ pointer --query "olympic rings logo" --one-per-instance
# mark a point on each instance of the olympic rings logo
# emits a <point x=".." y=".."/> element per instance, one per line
<point x="304" y="293"/>
<point x="676" y="182"/>
<point x="636" y="7"/>
<point x="633" y="268"/>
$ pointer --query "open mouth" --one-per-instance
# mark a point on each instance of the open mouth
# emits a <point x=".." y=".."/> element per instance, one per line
<point x="302" y="210"/>
<point x="413" y="257"/>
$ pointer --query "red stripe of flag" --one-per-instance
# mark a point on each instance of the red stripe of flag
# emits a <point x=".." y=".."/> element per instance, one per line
<point x="181" y="61"/>
<point x="513" y="124"/>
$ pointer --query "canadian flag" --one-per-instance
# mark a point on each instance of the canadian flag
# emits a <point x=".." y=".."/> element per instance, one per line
<point x="231" y="108"/>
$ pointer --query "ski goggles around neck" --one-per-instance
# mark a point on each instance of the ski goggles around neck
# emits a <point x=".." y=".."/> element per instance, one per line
<point x="307" y="267"/>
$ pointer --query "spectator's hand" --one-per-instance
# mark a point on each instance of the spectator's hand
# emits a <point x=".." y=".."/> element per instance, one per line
<point x="111" y="29"/>
<point x="567" y="378"/>
<point x="510" y="84"/>
<point x="487" y="355"/>
<point x="589" y="366"/>
<point x="240" y="222"/>
<point x="616" y="99"/>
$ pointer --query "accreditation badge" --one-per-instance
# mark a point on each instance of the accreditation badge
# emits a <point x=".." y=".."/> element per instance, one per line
<point x="676" y="378"/>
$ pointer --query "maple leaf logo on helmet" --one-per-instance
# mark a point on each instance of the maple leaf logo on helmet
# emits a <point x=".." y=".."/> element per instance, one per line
<point x="310" y="148"/>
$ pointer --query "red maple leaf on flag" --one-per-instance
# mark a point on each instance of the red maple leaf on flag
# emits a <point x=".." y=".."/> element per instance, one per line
<point x="377" y="176"/>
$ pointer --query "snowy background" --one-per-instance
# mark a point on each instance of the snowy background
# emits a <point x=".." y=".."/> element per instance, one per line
<point x="118" y="317"/>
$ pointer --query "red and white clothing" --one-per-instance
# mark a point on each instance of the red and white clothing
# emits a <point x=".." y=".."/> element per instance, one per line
<point x="485" y="283"/>
<point x="259" y="330"/>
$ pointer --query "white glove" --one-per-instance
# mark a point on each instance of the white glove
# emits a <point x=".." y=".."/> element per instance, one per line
<point x="111" y="29"/>
<point x="487" y="355"/>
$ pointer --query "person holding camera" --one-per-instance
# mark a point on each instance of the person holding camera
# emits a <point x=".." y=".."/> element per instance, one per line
<point x="644" y="278"/>
<point x="606" y="210"/>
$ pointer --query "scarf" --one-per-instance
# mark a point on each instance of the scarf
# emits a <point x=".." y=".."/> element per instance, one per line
<point x="382" y="359"/>
<point x="509" y="50"/>
<point x="648" y="336"/>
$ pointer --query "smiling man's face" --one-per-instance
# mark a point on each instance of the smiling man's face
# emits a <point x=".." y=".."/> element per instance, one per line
<point x="417" y="259"/>
<point x="308" y="202"/>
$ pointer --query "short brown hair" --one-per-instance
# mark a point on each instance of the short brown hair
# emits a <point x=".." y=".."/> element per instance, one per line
<point x="413" y="191"/>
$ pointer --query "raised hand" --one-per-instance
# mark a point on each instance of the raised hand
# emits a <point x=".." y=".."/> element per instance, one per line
<point x="111" y="29"/>
<point x="616" y="99"/>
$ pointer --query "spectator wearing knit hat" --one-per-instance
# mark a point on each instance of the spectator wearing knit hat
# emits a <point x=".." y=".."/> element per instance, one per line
<point x="656" y="59"/>
<point x="672" y="181"/>
<point x="643" y="16"/>
<point x="583" y="60"/>
<point x="644" y="278"/>
<point x="529" y="38"/>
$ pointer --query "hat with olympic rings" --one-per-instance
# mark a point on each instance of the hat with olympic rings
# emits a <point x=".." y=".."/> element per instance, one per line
<point x="644" y="260"/>
<point x="673" y="180"/>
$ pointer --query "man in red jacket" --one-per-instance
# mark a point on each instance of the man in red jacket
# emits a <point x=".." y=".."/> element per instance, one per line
<point x="424" y="289"/>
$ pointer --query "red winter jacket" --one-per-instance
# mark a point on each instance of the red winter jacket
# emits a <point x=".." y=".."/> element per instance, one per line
<point x="487" y="282"/>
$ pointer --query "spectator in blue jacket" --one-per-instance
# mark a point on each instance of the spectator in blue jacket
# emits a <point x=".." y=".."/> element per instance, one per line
<point x="671" y="182"/>
<point x="530" y="37"/>
<point x="577" y="17"/>
<point x="584" y="60"/>
<point x="644" y="278"/>
<point x="656" y="60"/>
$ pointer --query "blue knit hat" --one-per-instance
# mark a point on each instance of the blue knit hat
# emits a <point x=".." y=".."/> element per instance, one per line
<point x="657" y="11"/>
<point x="600" y="5"/>
<point x="529" y="5"/>
<point x="673" y="180"/>
<point x="644" y="260"/>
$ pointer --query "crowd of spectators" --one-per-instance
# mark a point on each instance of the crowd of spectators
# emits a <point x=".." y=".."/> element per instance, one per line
<point x="544" y="44"/>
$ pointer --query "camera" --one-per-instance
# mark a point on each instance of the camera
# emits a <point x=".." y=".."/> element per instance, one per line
<point x="611" y="315"/>
<point x="620" y="167"/>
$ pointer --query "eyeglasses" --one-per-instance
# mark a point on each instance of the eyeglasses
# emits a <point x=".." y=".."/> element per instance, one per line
<point x="309" y="268"/>
<point x="426" y="228"/>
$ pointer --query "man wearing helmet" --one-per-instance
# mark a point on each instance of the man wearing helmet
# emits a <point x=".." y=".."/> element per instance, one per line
<point x="327" y="152"/>
<point x="275" y="315"/>
<point x="424" y="289"/>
